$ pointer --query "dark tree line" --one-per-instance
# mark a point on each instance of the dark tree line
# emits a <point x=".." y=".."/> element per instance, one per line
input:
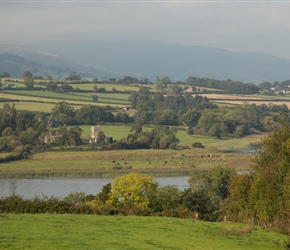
<point x="19" y="131"/>
<point x="200" y="116"/>
<point x="227" y="85"/>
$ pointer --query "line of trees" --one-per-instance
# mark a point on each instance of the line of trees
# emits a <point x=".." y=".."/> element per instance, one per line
<point x="263" y="195"/>
<point x="227" y="85"/>
<point x="198" y="115"/>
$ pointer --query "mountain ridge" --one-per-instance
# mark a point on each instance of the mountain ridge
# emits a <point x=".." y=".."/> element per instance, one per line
<point x="152" y="59"/>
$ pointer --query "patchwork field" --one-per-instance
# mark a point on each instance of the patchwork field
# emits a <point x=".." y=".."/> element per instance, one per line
<point x="242" y="99"/>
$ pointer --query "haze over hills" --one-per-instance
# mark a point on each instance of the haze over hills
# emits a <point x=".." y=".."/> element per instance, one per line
<point x="151" y="59"/>
<point x="16" y="59"/>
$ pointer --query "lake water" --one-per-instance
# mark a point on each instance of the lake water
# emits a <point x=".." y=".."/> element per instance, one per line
<point x="61" y="187"/>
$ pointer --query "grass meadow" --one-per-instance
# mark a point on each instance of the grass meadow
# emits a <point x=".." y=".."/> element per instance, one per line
<point x="155" y="162"/>
<point x="37" y="100"/>
<point x="107" y="86"/>
<point x="121" y="131"/>
<point x="112" y="163"/>
<point x="51" y="231"/>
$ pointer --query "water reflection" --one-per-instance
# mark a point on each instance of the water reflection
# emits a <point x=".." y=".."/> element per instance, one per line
<point x="61" y="187"/>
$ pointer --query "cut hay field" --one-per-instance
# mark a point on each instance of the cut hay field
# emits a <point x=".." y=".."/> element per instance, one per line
<point x="51" y="231"/>
<point x="250" y="99"/>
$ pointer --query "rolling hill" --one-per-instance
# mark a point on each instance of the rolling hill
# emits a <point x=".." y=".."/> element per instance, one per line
<point x="147" y="59"/>
<point x="16" y="60"/>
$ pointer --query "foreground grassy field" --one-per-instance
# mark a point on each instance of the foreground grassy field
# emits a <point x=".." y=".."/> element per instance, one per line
<point x="129" y="232"/>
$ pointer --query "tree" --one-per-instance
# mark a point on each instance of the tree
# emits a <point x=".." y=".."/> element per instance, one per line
<point x="64" y="88"/>
<point x="24" y="120"/>
<point x="133" y="190"/>
<point x="166" y="117"/>
<point x="95" y="88"/>
<point x="8" y="117"/>
<point x="49" y="78"/>
<point x="29" y="82"/>
<point x="29" y="136"/>
<point x="166" y="198"/>
<point x="190" y="119"/>
<point x="74" y="136"/>
<point x="208" y="191"/>
<point x="91" y="115"/>
<point x="176" y="89"/>
<point x="5" y="75"/>
<point x="27" y="74"/>
<point x="104" y="195"/>
<point x="144" y="81"/>
<point x="64" y="113"/>
<point x="264" y="193"/>
<point x="101" y="138"/>
<point x="265" y="85"/>
<point x="129" y="79"/>
<point x="73" y="76"/>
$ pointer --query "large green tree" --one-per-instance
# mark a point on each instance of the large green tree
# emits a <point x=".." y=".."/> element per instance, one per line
<point x="29" y="82"/>
<point x="263" y="195"/>
<point x="133" y="190"/>
<point x="8" y="117"/>
<point x="190" y="119"/>
<point x="208" y="192"/>
<point x="64" y="112"/>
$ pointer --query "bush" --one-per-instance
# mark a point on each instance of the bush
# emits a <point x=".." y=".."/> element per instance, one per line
<point x="197" y="145"/>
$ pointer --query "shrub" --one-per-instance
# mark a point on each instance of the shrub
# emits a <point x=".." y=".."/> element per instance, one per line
<point x="197" y="145"/>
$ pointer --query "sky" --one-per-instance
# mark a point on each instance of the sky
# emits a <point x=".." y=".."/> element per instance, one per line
<point x="262" y="26"/>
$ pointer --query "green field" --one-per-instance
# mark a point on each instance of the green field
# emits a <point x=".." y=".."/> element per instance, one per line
<point x="107" y="86"/>
<point x="45" y="100"/>
<point x="36" y="107"/>
<point x="103" y="97"/>
<point x="156" y="162"/>
<point x="129" y="232"/>
<point x="121" y="131"/>
<point x="109" y="98"/>
<point x="112" y="163"/>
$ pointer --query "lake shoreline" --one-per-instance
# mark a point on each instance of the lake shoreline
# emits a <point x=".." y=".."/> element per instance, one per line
<point x="95" y="174"/>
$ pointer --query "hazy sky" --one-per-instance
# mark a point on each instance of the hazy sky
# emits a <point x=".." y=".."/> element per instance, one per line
<point x="233" y="25"/>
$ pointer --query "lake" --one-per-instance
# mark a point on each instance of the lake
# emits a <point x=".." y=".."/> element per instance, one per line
<point x="61" y="187"/>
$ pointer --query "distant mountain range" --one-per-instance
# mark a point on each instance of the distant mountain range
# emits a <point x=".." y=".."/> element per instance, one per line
<point x="151" y="59"/>
<point x="16" y="60"/>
